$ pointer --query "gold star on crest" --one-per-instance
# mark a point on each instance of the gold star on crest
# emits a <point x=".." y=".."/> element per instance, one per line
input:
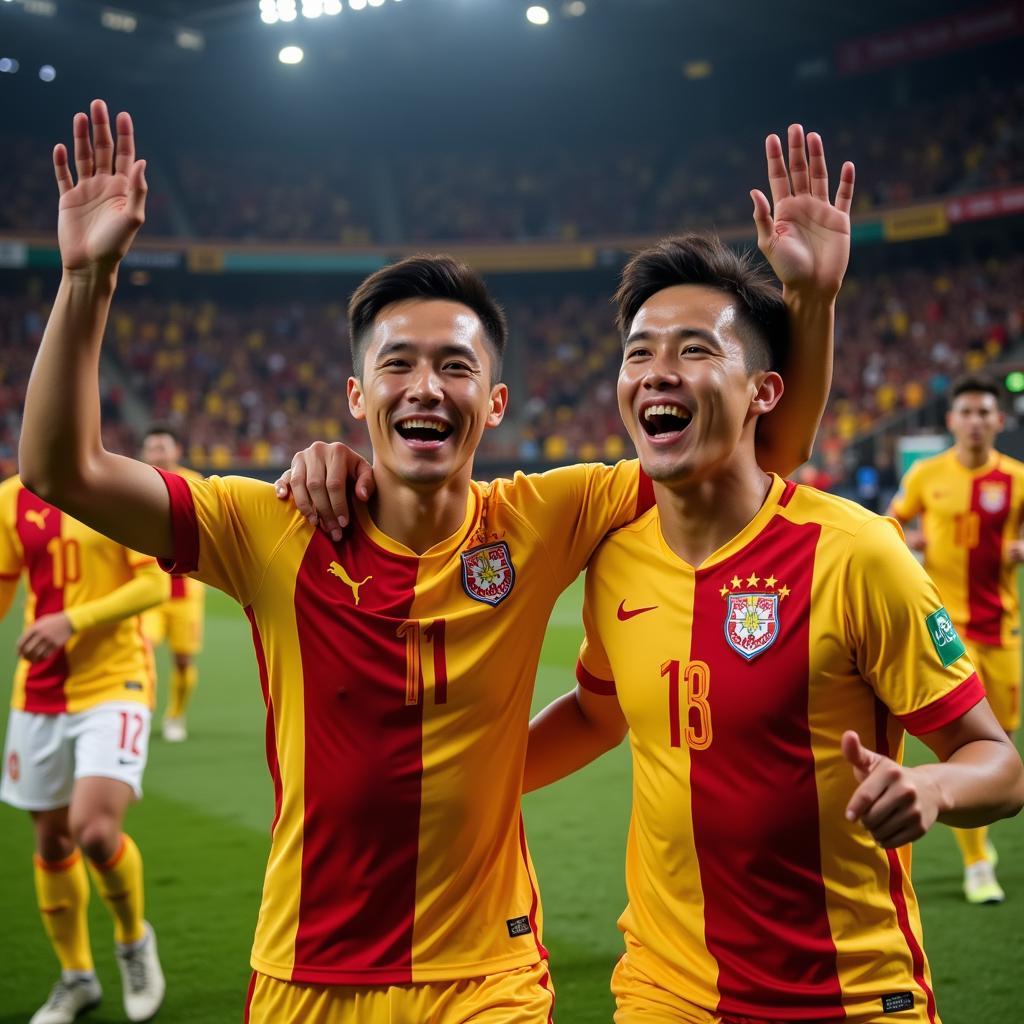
<point x="736" y="582"/>
<point x="770" y="582"/>
<point x="752" y="580"/>
<point x="723" y="592"/>
<point x="784" y="592"/>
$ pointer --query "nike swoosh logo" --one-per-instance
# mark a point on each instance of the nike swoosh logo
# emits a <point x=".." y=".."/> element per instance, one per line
<point x="122" y="761"/>
<point x="623" y="614"/>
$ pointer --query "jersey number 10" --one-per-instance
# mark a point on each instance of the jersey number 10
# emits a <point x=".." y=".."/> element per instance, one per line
<point x="695" y="677"/>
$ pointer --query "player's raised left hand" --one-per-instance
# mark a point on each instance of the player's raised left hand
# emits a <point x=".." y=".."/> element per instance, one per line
<point x="895" y="804"/>
<point x="806" y="238"/>
<point x="99" y="216"/>
<point x="47" y="634"/>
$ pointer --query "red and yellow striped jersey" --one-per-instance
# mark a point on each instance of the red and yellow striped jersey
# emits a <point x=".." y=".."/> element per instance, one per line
<point x="968" y="515"/>
<point x="184" y="588"/>
<point x="100" y="585"/>
<point x="750" y="894"/>
<point x="398" y="691"/>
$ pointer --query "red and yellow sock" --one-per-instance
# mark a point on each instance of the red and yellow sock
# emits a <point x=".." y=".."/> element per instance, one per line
<point x="62" y="892"/>
<point x="973" y="844"/>
<point x="119" y="881"/>
<point x="183" y="682"/>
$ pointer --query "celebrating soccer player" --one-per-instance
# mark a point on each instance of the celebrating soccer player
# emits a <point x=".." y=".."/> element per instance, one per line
<point x="766" y="645"/>
<point x="77" y="739"/>
<point x="397" y="662"/>
<point x="180" y="620"/>
<point x="971" y="502"/>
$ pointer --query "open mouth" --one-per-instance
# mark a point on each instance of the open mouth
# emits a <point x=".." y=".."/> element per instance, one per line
<point x="421" y="432"/>
<point x="665" y="420"/>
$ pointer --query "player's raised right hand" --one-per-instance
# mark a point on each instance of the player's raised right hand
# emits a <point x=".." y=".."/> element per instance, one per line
<point x="101" y="214"/>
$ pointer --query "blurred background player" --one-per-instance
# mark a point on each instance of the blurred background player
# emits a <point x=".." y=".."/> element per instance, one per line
<point x="180" y="620"/>
<point x="970" y="499"/>
<point x="77" y="739"/>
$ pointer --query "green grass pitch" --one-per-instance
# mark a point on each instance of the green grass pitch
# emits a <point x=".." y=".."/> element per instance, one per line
<point x="203" y="830"/>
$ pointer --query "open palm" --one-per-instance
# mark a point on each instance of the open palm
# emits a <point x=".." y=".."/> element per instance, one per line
<point x="99" y="217"/>
<point x="806" y="239"/>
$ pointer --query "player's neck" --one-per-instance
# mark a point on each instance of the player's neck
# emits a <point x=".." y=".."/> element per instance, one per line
<point x="698" y="519"/>
<point x="973" y="458"/>
<point x="418" y="518"/>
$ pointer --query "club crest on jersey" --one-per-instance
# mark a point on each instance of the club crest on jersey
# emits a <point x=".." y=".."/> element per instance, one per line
<point x="487" y="573"/>
<point x="752" y="615"/>
<point x="993" y="497"/>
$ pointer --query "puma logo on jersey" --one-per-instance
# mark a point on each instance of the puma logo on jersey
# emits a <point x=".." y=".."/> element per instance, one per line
<point x="37" y="517"/>
<point x="336" y="569"/>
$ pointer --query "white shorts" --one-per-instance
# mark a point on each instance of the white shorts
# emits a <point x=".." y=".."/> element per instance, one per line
<point x="44" y="754"/>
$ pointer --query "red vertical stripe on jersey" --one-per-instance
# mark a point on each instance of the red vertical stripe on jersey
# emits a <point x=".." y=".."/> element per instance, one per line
<point x="754" y="796"/>
<point x="985" y="559"/>
<point x="899" y="901"/>
<point x="271" y="733"/>
<point x="177" y="587"/>
<point x="363" y="765"/>
<point x="248" y="997"/>
<point x="38" y="525"/>
<point x="535" y="900"/>
<point x="644" y="494"/>
<point x="787" y="494"/>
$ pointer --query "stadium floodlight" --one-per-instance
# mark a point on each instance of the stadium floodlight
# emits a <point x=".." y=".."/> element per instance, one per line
<point x="332" y="7"/>
<point x="376" y="3"/>
<point x="47" y="72"/>
<point x="118" y="21"/>
<point x="42" y="8"/>
<point x="287" y="14"/>
<point x="537" y="15"/>
<point x="574" y="9"/>
<point x="356" y="5"/>
<point x="312" y="8"/>
<point x="269" y="17"/>
<point x="189" y="39"/>
<point x="291" y="55"/>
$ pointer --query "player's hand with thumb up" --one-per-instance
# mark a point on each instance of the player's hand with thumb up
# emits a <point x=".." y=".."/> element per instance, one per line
<point x="895" y="804"/>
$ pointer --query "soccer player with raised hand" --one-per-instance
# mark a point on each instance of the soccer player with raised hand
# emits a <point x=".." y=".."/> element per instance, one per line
<point x="397" y="661"/>
<point x="766" y="646"/>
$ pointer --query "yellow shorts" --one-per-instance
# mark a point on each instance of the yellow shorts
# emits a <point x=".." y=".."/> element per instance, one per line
<point x="641" y="1000"/>
<point x="521" y="996"/>
<point x="179" y="622"/>
<point x="999" y="668"/>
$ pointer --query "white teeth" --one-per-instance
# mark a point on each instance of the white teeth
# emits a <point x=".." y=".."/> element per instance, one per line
<point x="665" y="410"/>
<point x="424" y="425"/>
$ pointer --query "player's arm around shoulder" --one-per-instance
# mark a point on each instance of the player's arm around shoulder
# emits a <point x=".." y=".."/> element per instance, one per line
<point x="908" y="651"/>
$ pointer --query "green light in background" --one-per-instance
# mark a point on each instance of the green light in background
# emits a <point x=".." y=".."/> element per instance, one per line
<point x="1015" y="382"/>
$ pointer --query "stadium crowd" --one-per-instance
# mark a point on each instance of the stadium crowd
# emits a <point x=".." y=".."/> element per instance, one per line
<point x="972" y="140"/>
<point x="250" y="384"/>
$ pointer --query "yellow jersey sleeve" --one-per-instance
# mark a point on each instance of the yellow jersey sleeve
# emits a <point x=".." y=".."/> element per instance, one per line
<point x="226" y="531"/>
<point x="148" y="587"/>
<point x="12" y="558"/>
<point x="903" y="639"/>
<point x="593" y="669"/>
<point x="908" y="501"/>
<point x="572" y="509"/>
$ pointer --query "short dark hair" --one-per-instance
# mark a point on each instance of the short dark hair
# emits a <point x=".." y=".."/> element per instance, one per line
<point x="698" y="258"/>
<point x="163" y="428"/>
<point x="974" y="382"/>
<point x="424" y="277"/>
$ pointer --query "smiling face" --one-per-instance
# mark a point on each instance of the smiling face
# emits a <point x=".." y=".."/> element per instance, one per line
<point x="425" y="390"/>
<point x="688" y="393"/>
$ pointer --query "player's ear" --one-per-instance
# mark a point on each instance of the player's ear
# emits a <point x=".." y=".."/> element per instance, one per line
<point x="356" y="405"/>
<point x="498" y="405"/>
<point x="768" y="388"/>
